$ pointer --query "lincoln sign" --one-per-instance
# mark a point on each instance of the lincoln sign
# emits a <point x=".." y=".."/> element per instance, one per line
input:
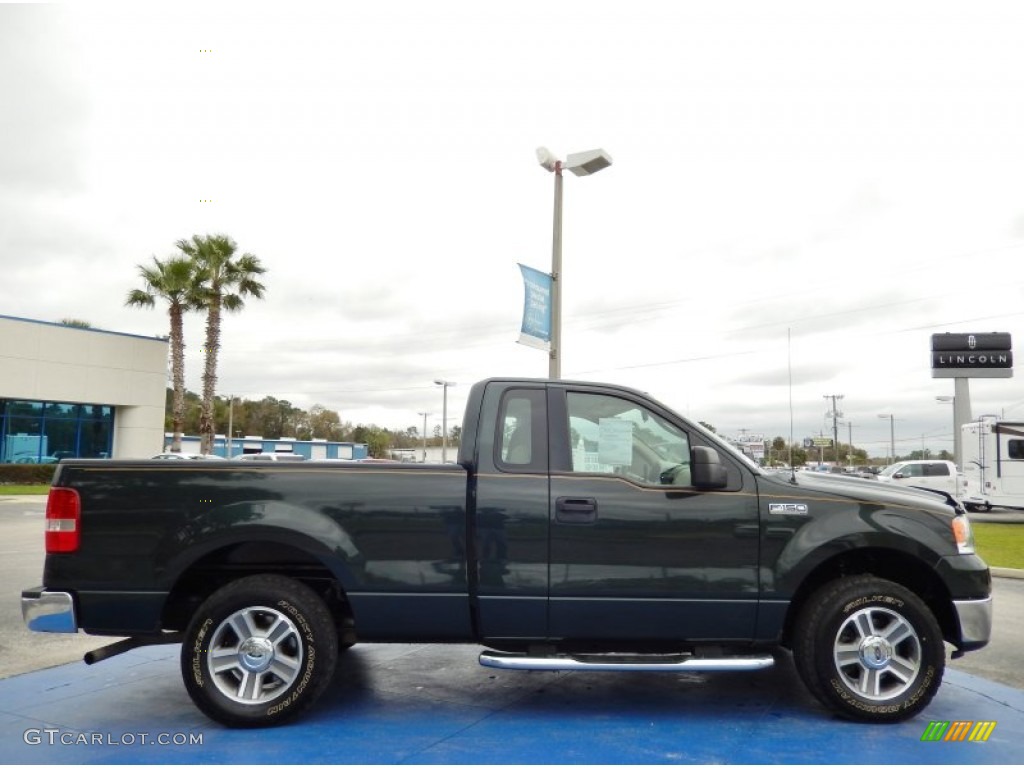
<point x="971" y="355"/>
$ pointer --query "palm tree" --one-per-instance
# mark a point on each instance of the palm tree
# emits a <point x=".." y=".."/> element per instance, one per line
<point x="225" y="281"/>
<point x="174" y="281"/>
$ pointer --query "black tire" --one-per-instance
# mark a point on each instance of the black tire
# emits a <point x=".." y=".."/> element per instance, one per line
<point x="869" y="649"/>
<point x="259" y="651"/>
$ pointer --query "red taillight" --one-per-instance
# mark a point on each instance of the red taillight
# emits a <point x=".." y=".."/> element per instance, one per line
<point x="63" y="515"/>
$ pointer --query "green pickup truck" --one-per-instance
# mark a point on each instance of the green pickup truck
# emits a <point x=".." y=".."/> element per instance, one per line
<point x="585" y="527"/>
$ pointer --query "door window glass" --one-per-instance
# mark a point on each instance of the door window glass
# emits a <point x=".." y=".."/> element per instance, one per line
<point x="613" y="435"/>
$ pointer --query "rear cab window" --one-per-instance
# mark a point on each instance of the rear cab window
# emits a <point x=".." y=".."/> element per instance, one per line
<point x="521" y="439"/>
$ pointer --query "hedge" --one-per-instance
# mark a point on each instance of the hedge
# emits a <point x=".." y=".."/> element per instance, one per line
<point x="26" y="474"/>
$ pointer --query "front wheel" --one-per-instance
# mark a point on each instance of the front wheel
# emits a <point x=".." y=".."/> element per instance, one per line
<point x="259" y="651"/>
<point x="869" y="649"/>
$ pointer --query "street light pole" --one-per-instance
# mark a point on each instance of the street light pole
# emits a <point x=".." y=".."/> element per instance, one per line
<point x="581" y="164"/>
<point x="958" y="456"/>
<point x="444" y="418"/>
<point x="555" y="358"/>
<point x="231" y="415"/>
<point x="424" y="414"/>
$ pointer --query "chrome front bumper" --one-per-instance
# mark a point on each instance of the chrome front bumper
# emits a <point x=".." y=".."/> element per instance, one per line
<point x="45" y="611"/>
<point x="975" y="617"/>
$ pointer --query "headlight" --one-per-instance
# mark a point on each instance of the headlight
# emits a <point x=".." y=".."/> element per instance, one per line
<point x="963" y="534"/>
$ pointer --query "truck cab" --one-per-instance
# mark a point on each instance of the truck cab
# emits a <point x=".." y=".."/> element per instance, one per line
<point x="603" y="507"/>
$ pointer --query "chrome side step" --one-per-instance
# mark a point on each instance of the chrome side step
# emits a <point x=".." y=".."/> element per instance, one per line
<point x="624" y="663"/>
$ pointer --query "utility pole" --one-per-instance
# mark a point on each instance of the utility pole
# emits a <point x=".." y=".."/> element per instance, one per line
<point x="836" y="414"/>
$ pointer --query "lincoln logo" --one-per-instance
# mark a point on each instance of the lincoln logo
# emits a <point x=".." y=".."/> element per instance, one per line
<point x="972" y="342"/>
<point x="962" y="359"/>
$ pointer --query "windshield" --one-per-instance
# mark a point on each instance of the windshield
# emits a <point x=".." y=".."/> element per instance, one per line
<point x="891" y="470"/>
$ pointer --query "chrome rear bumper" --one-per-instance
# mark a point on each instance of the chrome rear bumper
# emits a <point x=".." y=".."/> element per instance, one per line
<point x="45" y="611"/>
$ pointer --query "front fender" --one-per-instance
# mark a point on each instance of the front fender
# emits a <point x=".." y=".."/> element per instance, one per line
<point x="921" y="535"/>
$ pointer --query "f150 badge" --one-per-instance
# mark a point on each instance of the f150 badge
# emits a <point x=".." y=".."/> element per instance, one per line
<point x="787" y="509"/>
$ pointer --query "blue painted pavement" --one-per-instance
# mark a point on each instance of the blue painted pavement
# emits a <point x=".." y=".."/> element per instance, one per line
<point x="436" y="705"/>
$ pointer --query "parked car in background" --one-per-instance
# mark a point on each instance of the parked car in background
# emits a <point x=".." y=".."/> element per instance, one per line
<point x="927" y="473"/>
<point x="187" y="456"/>
<point x="280" y="456"/>
<point x="31" y="458"/>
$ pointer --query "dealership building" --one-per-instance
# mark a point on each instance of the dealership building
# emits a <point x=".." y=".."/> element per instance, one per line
<point x="79" y="392"/>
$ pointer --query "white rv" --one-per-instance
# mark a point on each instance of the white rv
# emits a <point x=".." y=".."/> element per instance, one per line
<point x="993" y="463"/>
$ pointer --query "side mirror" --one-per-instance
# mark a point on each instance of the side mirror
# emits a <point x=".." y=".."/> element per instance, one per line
<point x="706" y="468"/>
<point x="898" y="476"/>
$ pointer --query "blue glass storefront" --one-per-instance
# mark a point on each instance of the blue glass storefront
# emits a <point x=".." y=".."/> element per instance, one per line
<point x="34" y="432"/>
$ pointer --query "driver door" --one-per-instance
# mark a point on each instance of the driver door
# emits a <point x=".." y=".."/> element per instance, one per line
<point x="636" y="551"/>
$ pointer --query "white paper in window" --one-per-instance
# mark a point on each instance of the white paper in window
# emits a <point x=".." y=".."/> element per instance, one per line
<point x="615" y="442"/>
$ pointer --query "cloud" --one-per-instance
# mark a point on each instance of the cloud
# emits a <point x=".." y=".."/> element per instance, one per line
<point x="379" y="160"/>
<point x="44" y="111"/>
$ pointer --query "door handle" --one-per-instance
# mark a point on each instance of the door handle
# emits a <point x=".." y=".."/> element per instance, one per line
<point x="575" y="511"/>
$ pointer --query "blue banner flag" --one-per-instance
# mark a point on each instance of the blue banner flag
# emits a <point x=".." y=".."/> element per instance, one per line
<point x="536" y="331"/>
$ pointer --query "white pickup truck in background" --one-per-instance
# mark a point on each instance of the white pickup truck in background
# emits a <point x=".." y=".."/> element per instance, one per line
<point x="926" y="473"/>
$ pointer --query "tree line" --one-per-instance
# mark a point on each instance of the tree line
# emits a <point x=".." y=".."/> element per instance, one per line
<point x="274" y="419"/>
<point x="779" y="453"/>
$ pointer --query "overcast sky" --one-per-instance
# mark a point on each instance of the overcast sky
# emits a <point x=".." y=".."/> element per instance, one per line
<point x="851" y="174"/>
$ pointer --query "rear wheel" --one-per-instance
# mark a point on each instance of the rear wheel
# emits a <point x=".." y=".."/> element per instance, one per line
<point x="870" y="649"/>
<point x="259" y="651"/>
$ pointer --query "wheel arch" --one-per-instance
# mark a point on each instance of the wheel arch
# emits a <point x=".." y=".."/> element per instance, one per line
<point x="218" y="563"/>
<point x="893" y="565"/>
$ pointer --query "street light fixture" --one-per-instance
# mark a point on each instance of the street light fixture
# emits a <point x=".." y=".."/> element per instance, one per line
<point x="892" y="432"/>
<point x="581" y="164"/>
<point x="444" y="418"/>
